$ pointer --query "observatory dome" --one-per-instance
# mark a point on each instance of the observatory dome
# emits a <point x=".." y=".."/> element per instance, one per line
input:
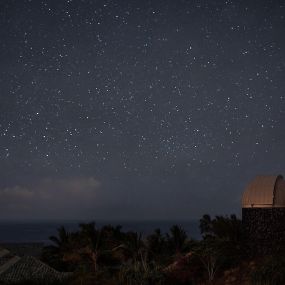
<point x="265" y="191"/>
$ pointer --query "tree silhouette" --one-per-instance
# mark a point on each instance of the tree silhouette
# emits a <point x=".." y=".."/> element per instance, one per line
<point x="91" y="242"/>
<point x="177" y="239"/>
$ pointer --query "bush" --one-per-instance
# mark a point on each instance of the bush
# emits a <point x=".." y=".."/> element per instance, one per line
<point x="270" y="272"/>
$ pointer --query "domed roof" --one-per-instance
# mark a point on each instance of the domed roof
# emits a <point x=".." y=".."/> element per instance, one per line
<point x="265" y="191"/>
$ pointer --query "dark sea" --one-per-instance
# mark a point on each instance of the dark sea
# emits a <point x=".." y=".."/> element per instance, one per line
<point x="40" y="231"/>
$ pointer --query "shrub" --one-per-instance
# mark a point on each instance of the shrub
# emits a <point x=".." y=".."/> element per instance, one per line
<point x="270" y="272"/>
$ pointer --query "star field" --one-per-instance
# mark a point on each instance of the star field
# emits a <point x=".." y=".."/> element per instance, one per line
<point x="171" y="106"/>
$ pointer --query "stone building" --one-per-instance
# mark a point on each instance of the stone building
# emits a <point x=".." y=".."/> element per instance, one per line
<point x="263" y="214"/>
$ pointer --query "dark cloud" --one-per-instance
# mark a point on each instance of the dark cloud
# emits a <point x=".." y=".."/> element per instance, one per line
<point x="50" y="198"/>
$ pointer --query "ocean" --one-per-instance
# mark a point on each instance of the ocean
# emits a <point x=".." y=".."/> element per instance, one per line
<point x="40" y="231"/>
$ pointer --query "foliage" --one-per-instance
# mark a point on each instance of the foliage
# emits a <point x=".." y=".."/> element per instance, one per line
<point x="226" y="228"/>
<point x="132" y="249"/>
<point x="55" y="254"/>
<point x="97" y="255"/>
<point x="141" y="274"/>
<point x="156" y="245"/>
<point x="210" y="255"/>
<point x="177" y="240"/>
<point x="185" y="270"/>
<point x="227" y="232"/>
<point x="270" y="272"/>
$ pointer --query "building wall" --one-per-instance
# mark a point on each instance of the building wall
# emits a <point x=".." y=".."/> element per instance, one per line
<point x="264" y="229"/>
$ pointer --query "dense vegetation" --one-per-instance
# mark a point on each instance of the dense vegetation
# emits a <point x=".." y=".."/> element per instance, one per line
<point x="108" y="255"/>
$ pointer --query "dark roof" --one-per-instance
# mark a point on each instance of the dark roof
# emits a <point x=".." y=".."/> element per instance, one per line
<point x="16" y="269"/>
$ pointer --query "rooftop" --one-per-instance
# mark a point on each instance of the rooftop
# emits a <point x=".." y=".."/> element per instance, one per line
<point x="15" y="269"/>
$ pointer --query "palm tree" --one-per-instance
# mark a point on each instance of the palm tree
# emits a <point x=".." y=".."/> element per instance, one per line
<point x="156" y="244"/>
<point x="92" y="243"/>
<point x="113" y="236"/>
<point x="56" y="253"/>
<point x="61" y="241"/>
<point x="177" y="239"/>
<point x="133" y="247"/>
<point x="139" y="271"/>
<point x="206" y="226"/>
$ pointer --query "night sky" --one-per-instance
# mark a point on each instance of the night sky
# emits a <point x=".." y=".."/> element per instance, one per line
<point x="138" y="109"/>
